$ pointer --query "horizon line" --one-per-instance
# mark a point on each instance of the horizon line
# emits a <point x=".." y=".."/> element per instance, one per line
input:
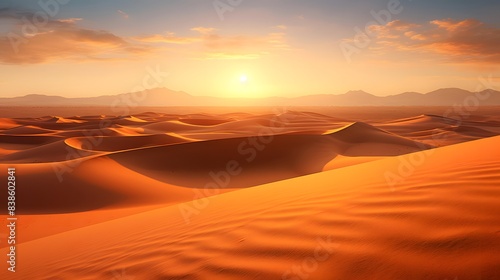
<point x="245" y="97"/>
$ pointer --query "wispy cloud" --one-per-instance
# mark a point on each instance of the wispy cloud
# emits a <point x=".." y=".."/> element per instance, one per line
<point x="217" y="46"/>
<point x="204" y="30"/>
<point x="62" y="39"/>
<point x="168" y="37"/>
<point x="66" y="39"/>
<point x="123" y="14"/>
<point x="68" y="20"/>
<point x="464" y="41"/>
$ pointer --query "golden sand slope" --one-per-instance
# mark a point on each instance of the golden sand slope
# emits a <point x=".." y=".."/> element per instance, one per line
<point x="26" y="140"/>
<point x="70" y="165"/>
<point x="125" y="171"/>
<point x="440" y="221"/>
<point x="86" y="184"/>
<point x="439" y="130"/>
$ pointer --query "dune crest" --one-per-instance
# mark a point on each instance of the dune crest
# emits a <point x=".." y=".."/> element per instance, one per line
<point x="363" y="230"/>
<point x="246" y="196"/>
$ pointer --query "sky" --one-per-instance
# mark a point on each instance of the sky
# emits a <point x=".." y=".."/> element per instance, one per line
<point x="247" y="48"/>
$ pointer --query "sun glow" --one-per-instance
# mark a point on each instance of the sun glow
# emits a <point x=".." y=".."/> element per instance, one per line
<point x="243" y="84"/>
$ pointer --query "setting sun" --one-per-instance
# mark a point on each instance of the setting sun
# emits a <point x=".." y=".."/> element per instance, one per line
<point x="243" y="79"/>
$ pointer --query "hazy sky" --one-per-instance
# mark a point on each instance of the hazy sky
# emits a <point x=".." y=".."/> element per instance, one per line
<point x="249" y="48"/>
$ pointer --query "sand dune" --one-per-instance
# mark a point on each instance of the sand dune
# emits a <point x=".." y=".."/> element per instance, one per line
<point x="441" y="131"/>
<point x="28" y="139"/>
<point x="6" y="123"/>
<point x="53" y="152"/>
<point x="282" y="195"/>
<point x="471" y="131"/>
<point x="169" y="125"/>
<point x="261" y="159"/>
<point x="192" y="164"/>
<point x="205" y="122"/>
<point x="67" y="120"/>
<point x="124" y="142"/>
<point x="362" y="133"/>
<point x="43" y="192"/>
<point x="27" y="130"/>
<point x="432" y="225"/>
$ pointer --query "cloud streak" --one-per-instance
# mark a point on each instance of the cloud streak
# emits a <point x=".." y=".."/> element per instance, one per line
<point x="65" y="39"/>
<point x="61" y="39"/>
<point x="123" y="14"/>
<point x="217" y="46"/>
<point x="464" y="41"/>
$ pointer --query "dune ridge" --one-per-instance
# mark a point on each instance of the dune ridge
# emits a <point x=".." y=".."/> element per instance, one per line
<point x="253" y="196"/>
<point x="366" y="230"/>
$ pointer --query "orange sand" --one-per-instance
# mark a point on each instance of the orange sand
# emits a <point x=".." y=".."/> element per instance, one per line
<point x="291" y="195"/>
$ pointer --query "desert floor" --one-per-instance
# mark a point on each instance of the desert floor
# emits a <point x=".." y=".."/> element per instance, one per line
<point x="253" y="193"/>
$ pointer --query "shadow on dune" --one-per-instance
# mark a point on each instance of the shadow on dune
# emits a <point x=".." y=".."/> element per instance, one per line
<point x="245" y="162"/>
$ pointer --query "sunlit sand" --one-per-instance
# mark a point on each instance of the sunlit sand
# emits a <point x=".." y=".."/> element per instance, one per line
<point x="293" y="195"/>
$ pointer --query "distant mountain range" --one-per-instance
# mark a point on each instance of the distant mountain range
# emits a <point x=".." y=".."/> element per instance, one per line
<point x="160" y="97"/>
